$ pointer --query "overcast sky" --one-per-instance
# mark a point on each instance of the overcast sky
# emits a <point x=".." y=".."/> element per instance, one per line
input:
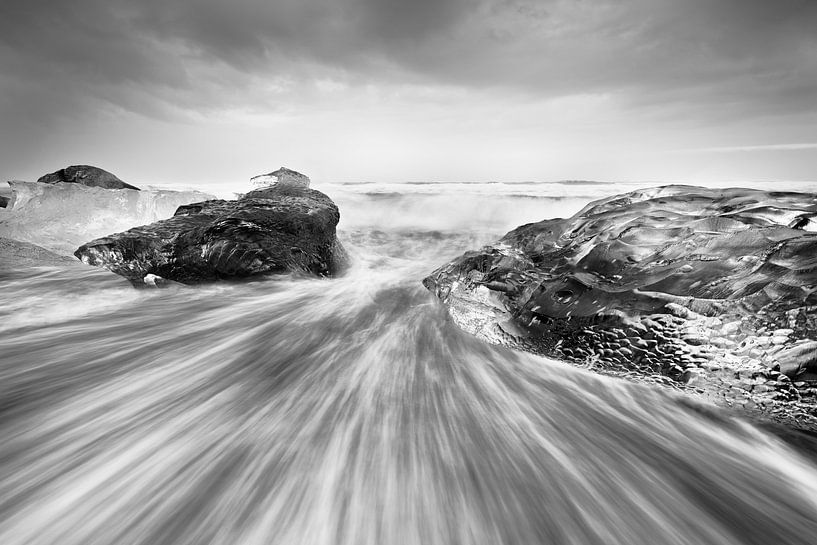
<point x="206" y="91"/>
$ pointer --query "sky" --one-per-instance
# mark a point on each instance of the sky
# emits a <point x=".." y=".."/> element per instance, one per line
<point x="204" y="92"/>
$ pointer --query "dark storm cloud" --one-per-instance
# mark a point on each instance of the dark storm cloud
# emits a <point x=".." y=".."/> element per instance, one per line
<point x="153" y="56"/>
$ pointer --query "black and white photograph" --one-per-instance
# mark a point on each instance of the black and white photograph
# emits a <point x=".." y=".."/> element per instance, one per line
<point x="408" y="272"/>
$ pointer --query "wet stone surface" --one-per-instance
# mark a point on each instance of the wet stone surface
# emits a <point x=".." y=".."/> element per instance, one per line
<point x="267" y="231"/>
<point x="86" y="175"/>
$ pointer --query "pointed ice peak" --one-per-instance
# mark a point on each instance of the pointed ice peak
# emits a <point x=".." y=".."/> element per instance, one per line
<point x="281" y="177"/>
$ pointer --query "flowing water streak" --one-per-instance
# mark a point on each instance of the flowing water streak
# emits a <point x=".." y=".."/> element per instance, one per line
<point x="349" y="411"/>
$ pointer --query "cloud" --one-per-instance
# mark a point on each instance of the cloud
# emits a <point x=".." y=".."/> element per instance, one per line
<point x="737" y="54"/>
<point x="646" y="73"/>
<point x="802" y="146"/>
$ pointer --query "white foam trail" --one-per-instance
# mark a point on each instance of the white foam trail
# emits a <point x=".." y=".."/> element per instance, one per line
<point x="352" y="411"/>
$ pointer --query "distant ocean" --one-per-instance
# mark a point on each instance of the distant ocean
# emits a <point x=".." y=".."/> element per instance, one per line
<point x="351" y="410"/>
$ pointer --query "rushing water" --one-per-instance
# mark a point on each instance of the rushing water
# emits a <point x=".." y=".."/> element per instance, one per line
<point x="297" y="410"/>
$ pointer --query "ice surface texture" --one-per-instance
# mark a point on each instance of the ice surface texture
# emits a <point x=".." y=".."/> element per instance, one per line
<point x="283" y="177"/>
<point x="61" y="216"/>
<point x="709" y="288"/>
<point x="273" y="230"/>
